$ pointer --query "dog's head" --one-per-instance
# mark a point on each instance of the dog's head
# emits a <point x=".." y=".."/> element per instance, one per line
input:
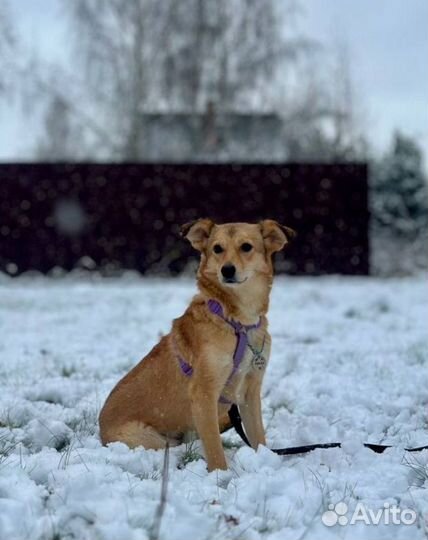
<point x="236" y="253"/>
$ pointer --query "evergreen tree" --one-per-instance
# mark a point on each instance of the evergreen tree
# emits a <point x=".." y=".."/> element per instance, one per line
<point x="400" y="194"/>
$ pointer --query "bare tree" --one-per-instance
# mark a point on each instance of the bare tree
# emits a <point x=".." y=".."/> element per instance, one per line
<point x="322" y="115"/>
<point x="196" y="56"/>
<point x="113" y="45"/>
<point x="231" y="54"/>
<point x="347" y="140"/>
<point x="59" y="141"/>
<point x="189" y="56"/>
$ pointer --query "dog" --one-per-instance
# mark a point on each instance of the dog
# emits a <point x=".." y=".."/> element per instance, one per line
<point x="216" y="353"/>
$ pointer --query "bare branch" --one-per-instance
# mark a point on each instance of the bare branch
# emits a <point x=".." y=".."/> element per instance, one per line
<point x="157" y="522"/>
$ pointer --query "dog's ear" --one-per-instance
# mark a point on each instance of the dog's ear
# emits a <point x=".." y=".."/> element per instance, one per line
<point x="197" y="232"/>
<point x="275" y="236"/>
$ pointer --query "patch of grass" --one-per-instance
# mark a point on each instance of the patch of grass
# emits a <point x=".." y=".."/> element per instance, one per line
<point x="309" y="340"/>
<point x="191" y="453"/>
<point x="156" y="474"/>
<point x="6" y="447"/>
<point x="66" y="457"/>
<point x="262" y="511"/>
<point x="6" y="420"/>
<point x="382" y="306"/>
<point x="352" y="313"/>
<point x="58" y="441"/>
<point x="86" y="424"/>
<point x="89" y="421"/>
<point x="68" y="371"/>
<point x="419" y="470"/>
<point x="418" y="354"/>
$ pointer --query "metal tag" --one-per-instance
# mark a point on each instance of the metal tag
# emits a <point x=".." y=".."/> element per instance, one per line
<point x="259" y="361"/>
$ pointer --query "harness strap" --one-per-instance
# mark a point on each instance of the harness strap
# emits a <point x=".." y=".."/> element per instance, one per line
<point x="240" y="332"/>
<point x="185" y="367"/>
<point x="241" y="343"/>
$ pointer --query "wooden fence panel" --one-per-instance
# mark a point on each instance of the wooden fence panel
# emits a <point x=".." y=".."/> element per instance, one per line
<point x="128" y="215"/>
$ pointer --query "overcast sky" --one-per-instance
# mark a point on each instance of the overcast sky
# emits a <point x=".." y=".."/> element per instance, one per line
<point x="388" y="41"/>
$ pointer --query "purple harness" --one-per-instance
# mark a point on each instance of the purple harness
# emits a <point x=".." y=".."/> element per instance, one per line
<point x="241" y="343"/>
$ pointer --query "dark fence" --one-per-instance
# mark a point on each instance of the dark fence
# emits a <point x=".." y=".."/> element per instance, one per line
<point x="128" y="216"/>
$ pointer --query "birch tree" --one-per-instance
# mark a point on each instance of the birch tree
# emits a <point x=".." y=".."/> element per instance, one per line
<point x="197" y="56"/>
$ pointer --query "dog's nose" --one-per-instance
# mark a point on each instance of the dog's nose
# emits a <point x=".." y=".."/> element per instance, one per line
<point x="228" y="271"/>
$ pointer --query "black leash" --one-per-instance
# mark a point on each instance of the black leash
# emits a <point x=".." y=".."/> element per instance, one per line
<point x="236" y="421"/>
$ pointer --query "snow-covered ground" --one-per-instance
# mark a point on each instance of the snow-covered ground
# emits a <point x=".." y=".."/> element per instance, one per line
<point x="349" y="363"/>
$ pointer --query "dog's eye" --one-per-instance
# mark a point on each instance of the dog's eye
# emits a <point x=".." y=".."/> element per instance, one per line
<point x="217" y="248"/>
<point x="246" y="247"/>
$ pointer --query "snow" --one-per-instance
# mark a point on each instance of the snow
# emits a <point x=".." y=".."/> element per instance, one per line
<point x="349" y="363"/>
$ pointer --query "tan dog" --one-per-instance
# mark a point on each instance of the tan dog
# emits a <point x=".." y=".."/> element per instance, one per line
<point x="190" y="378"/>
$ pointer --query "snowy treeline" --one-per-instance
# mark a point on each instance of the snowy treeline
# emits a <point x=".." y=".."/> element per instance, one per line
<point x="213" y="59"/>
<point x="197" y="57"/>
<point x="399" y="206"/>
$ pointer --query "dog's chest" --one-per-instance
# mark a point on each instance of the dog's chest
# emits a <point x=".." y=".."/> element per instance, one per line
<point x="254" y="359"/>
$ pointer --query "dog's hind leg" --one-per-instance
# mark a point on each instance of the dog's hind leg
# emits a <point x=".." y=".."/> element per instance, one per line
<point x="224" y="422"/>
<point x="136" y="433"/>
